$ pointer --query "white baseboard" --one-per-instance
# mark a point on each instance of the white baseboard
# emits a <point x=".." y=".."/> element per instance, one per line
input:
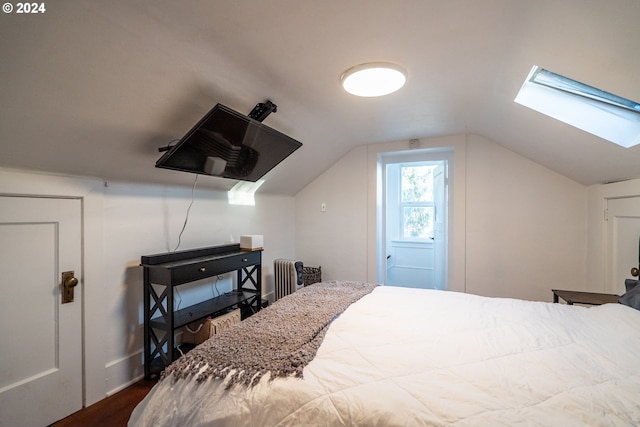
<point x="123" y="372"/>
<point x="268" y="296"/>
<point x="125" y="385"/>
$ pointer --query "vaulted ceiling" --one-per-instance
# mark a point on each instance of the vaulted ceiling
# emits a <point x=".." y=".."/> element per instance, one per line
<point x="93" y="88"/>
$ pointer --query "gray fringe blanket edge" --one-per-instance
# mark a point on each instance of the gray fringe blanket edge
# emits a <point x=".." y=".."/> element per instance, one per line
<point x="281" y="339"/>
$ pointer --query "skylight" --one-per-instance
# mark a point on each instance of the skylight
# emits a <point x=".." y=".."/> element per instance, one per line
<point x="593" y="110"/>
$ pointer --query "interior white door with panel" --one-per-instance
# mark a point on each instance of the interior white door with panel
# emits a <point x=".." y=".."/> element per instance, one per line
<point x="41" y="364"/>
<point x="413" y="220"/>
<point x="623" y="235"/>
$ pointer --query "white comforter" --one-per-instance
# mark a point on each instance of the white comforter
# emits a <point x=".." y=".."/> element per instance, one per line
<point x="409" y="357"/>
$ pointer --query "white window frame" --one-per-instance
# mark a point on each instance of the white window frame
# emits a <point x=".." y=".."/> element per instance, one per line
<point x="402" y="204"/>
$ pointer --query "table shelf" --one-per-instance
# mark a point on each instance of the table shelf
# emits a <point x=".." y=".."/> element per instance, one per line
<point x="203" y="309"/>
<point x="164" y="272"/>
<point x="580" y="297"/>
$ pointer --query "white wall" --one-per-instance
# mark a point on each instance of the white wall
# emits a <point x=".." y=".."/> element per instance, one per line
<point x="335" y="239"/>
<point x="122" y="222"/>
<point x="147" y="219"/>
<point x="518" y="230"/>
<point x="526" y="226"/>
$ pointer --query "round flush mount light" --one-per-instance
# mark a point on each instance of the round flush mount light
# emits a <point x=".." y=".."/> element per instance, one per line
<point x="373" y="79"/>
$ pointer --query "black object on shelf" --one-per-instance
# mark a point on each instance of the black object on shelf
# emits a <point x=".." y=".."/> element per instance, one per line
<point x="163" y="272"/>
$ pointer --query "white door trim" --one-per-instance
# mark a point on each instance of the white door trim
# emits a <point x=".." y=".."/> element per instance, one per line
<point x="596" y="253"/>
<point x="44" y="338"/>
<point x="619" y="211"/>
<point x="390" y="165"/>
<point x="457" y="239"/>
<point x="15" y="182"/>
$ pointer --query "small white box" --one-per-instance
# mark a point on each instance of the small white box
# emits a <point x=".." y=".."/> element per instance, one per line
<point x="251" y="242"/>
<point x="215" y="166"/>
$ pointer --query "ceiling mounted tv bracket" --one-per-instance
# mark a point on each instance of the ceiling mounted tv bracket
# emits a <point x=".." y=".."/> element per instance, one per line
<point x="262" y="110"/>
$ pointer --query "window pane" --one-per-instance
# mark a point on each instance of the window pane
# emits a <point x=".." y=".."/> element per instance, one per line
<point x="417" y="183"/>
<point x="417" y="222"/>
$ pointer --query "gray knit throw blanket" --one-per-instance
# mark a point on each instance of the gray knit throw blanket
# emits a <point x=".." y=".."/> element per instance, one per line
<point x="281" y="339"/>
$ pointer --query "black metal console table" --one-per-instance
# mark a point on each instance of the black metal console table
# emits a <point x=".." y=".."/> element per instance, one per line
<point x="163" y="272"/>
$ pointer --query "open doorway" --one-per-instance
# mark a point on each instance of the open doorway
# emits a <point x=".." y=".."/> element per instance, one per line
<point x="413" y="218"/>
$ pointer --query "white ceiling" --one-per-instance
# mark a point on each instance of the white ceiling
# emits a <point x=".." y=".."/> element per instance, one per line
<point x="93" y="88"/>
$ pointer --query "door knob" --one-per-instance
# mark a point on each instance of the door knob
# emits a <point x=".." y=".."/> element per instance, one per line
<point x="69" y="281"/>
<point x="635" y="272"/>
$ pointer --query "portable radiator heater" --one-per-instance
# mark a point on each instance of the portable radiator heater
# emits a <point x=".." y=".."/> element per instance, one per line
<point x="288" y="277"/>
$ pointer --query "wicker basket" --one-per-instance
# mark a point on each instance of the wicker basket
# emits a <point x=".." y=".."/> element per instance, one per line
<point x="312" y="275"/>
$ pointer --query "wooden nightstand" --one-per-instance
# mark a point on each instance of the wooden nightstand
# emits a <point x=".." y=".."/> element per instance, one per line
<point x="578" y="297"/>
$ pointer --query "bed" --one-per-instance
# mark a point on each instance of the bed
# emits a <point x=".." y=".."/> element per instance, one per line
<point x="410" y="357"/>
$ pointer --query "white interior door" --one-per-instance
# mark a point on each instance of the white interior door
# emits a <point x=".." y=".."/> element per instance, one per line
<point x="410" y="260"/>
<point x="41" y="363"/>
<point x="623" y="233"/>
<point x="440" y="238"/>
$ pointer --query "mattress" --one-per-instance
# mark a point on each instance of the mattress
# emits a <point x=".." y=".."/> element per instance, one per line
<point x="405" y="357"/>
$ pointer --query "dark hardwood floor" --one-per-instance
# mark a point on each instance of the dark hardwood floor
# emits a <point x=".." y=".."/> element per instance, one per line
<point x="114" y="411"/>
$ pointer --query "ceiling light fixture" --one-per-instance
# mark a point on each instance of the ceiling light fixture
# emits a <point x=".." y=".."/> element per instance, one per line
<point x="373" y="79"/>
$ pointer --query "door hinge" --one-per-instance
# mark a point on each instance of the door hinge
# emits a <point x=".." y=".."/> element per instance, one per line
<point x="606" y="214"/>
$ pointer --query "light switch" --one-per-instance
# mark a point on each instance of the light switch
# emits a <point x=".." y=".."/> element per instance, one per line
<point x="323" y="207"/>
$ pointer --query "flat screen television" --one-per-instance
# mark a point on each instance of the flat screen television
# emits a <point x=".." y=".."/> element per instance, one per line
<point x="229" y="144"/>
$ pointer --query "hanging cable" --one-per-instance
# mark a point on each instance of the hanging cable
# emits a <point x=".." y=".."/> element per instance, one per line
<point x="186" y="219"/>
<point x="215" y="284"/>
